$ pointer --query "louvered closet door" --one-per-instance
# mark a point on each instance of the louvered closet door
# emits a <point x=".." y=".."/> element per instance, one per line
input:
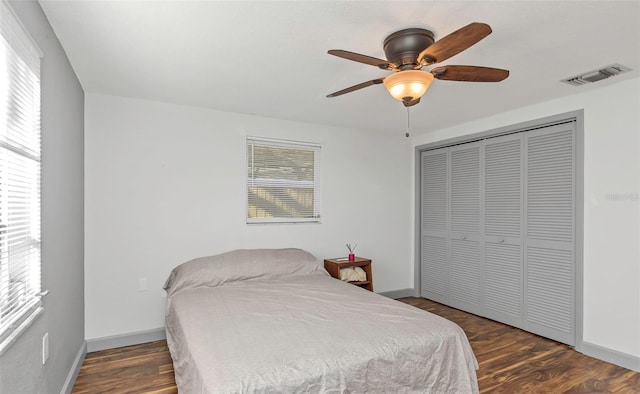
<point x="503" y="233"/>
<point x="549" y="239"/>
<point x="434" y="221"/>
<point x="465" y="266"/>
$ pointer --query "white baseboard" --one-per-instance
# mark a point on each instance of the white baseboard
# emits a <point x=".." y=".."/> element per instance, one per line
<point x="75" y="370"/>
<point x="612" y="356"/>
<point x="395" y="294"/>
<point x="134" y="338"/>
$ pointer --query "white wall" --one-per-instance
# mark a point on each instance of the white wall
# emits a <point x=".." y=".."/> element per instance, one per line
<point x="611" y="210"/>
<point x="166" y="183"/>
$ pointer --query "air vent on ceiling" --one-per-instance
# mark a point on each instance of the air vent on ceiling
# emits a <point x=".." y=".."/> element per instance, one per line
<point x="597" y="75"/>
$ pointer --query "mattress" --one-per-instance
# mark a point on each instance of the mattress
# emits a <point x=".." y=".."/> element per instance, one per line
<point x="310" y="333"/>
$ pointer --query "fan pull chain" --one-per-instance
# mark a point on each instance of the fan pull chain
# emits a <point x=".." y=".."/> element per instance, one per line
<point x="408" y="123"/>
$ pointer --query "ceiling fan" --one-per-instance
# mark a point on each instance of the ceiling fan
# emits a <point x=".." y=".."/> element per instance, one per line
<point x="409" y="50"/>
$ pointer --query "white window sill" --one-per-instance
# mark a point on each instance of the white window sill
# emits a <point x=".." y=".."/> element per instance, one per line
<point x="24" y="325"/>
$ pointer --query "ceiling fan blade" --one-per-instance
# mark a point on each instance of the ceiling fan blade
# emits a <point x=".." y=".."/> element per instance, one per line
<point x="356" y="57"/>
<point x="454" y="43"/>
<point x="470" y="73"/>
<point x="356" y="87"/>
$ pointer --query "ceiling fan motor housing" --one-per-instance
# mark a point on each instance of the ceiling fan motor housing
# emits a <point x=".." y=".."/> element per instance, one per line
<point x="403" y="47"/>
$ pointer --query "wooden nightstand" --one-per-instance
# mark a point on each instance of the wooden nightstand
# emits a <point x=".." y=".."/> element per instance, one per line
<point x="333" y="267"/>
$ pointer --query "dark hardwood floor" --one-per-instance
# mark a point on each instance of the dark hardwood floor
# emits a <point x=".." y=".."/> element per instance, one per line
<point x="515" y="361"/>
<point x="511" y="361"/>
<point x="145" y="368"/>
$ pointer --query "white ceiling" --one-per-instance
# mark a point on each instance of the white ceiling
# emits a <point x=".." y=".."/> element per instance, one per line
<point x="270" y="58"/>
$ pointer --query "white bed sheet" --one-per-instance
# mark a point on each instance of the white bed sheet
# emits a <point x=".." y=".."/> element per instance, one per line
<point x="312" y="334"/>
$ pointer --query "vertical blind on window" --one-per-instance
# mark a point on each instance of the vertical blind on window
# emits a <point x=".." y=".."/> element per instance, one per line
<point x="283" y="181"/>
<point x="19" y="177"/>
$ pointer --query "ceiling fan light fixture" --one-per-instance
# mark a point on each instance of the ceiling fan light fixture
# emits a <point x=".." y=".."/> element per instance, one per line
<point x="408" y="85"/>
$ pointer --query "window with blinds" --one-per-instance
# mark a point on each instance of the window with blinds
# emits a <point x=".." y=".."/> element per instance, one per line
<point x="19" y="178"/>
<point x="283" y="181"/>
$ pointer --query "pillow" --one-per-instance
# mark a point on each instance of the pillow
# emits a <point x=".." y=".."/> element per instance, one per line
<point x="238" y="265"/>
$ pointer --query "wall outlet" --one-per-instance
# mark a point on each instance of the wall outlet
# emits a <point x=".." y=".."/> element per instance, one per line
<point x="45" y="348"/>
<point x="142" y="284"/>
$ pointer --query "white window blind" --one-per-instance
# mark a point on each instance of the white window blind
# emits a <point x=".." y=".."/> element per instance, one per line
<point x="19" y="178"/>
<point x="283" y="181"/>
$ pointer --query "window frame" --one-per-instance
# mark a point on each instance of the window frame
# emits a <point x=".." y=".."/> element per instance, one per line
<point x="285" y="144"/>
<point x="20" y="137"/>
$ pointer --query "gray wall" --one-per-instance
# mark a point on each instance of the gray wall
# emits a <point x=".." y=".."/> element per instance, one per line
<point x="21" y="369"/>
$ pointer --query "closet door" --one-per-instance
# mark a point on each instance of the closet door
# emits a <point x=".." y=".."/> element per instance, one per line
<point x="503" y="233"/>
<point x="549" y="294"/>
<point x="465" y="267"/>
<point x="435" y="228"/>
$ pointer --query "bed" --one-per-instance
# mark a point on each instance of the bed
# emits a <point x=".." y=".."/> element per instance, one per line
<point x="274" y="321"/>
